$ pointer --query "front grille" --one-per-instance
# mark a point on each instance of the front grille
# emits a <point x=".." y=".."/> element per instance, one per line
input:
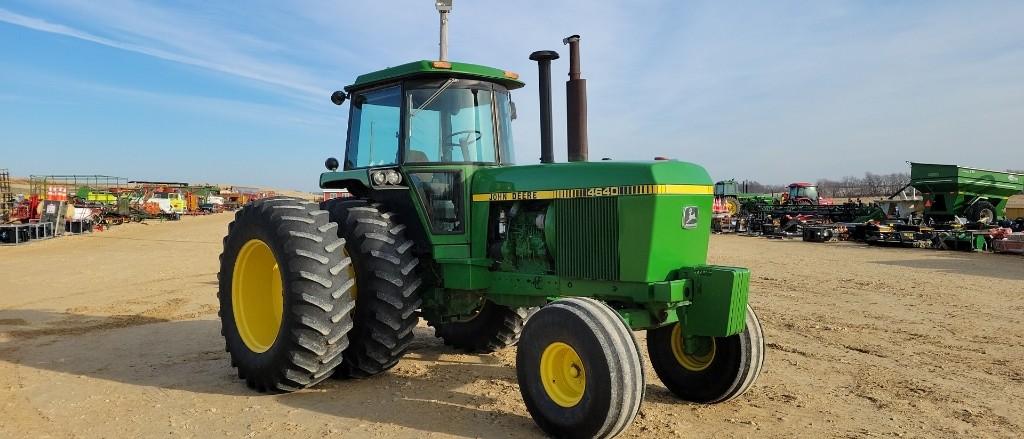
<point x="587" y="237"/>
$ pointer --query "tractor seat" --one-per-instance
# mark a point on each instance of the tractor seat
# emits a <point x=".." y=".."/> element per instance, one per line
<point x="416" y="156"/>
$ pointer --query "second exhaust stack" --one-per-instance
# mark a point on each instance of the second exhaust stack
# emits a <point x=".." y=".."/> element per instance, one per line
<point x="544" y="58"/>
<point x="576" y="104"/>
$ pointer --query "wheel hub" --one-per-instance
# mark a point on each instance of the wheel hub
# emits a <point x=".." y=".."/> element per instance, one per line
<point x="257" y="298"/>
<point x="986" y="217"/>
<point x="563" y="374"/>
<point x="694" y="360"/>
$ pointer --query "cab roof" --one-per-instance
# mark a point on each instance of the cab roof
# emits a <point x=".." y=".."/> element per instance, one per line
<point x="426" y="68"/>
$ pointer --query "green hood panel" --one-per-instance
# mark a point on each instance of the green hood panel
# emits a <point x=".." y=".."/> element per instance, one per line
<point x="586" y="175"/>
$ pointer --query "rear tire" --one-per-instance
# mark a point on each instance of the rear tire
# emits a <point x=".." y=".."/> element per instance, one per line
<point x="285" y="300"/>
<point x="732" y="206"/>
<point x="579" y="370"/>
<point x="493" y="328"/>
<point x="387" y="286"/>
<point x="732" y="366"/>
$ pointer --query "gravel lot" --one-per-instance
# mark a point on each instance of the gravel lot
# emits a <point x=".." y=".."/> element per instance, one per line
<point x="115" y="334"/>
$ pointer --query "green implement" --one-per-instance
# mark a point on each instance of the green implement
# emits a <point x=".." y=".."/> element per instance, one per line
<point x="951" y="191"/>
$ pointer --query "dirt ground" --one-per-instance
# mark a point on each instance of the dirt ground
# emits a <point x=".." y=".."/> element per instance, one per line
<point x="115" y="334"/>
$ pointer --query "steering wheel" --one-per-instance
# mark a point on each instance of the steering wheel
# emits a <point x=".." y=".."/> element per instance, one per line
<point x="478" y="136"/>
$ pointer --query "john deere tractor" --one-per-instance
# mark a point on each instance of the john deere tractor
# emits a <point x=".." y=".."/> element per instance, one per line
<point x="567" y="259"/>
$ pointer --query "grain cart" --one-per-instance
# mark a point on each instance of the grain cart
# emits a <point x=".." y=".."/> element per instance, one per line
<point x="441" y="225"/>
<point x="951" y="191"/>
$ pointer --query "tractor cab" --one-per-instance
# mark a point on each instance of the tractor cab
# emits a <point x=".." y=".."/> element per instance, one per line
<point x="426" y="114"/>
<point x="802" y="193"/>
<point x="425" y="126"/>
<point x="430" y="113"/>
<point x="726" y="188"/>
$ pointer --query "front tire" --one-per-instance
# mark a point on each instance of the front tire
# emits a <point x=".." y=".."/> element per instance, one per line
<point x="579" y="370"/>
<point x="284" y="301"/>
<point x="387" y="286"/>
<point x="722" y="371"/>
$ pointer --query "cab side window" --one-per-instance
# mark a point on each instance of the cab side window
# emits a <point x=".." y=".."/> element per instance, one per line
<point x="374" y="128"/>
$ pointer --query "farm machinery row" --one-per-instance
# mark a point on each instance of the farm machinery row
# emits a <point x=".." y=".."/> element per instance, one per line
<point x="953" y="207"/>
<point x="113" y="200"/>
<point x="784" y="214"/>
<point x="961" y="208"/>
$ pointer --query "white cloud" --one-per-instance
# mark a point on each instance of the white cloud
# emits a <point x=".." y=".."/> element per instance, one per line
<point x="252" y="71"/>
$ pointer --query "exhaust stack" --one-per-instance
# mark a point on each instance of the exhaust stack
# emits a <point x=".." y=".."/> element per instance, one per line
<point x="576" y="105"/>
<point x="543" y="58"/>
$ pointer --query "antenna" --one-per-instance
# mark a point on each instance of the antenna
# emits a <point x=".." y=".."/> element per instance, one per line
<point x="444" y="7"/>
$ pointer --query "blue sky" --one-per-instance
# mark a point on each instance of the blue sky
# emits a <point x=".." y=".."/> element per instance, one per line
<point x="772" y="91"/>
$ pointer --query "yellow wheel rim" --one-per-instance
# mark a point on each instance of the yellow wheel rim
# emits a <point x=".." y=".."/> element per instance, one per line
<point x="694" y="363"/>
<point x="563" y="374"/>
<point x="257" y="296"/>
<point x="731" y="207"/>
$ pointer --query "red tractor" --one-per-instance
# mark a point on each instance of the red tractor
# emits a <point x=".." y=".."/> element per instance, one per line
<point x="27" y="210"/>
<point x="804" y="194"/>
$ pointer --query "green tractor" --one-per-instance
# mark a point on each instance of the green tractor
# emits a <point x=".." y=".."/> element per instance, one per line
<point x="565" y="259"/>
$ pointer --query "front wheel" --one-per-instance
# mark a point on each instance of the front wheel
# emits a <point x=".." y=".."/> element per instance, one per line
<point x="715" y="369"/>
<point x="579" y="370"/>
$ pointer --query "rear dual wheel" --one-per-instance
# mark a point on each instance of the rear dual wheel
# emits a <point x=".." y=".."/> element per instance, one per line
<point x="285" y="294"/>
<point x="289" y="280"/>
<point x="387" y="277"/>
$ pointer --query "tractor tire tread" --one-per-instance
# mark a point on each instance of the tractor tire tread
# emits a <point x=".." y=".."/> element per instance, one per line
<point x="496" y="327"/>
<point x="388" y="297"/>
<point x="603" y="340"/>
<point x="316" y="317"/>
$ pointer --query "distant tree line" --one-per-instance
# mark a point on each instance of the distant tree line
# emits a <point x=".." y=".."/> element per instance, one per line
<point x="870" y="185"/>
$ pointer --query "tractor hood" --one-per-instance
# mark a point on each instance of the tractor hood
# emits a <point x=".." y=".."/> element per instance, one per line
<point x="596" y="175"/>
<point x="613" y="221"/>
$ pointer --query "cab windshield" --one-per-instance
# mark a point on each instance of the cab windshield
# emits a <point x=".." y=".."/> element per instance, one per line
<point x="458" y="121"/>
<point x="810" y="192"/>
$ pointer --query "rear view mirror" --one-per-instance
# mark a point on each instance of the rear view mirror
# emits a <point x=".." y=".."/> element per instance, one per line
<point x="512" y="105"/>
<point x="338" y="97"/>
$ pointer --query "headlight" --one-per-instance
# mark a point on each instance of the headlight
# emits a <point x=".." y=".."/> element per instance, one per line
<point x="378" y="177"/>
<point x="392" y="176"/>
